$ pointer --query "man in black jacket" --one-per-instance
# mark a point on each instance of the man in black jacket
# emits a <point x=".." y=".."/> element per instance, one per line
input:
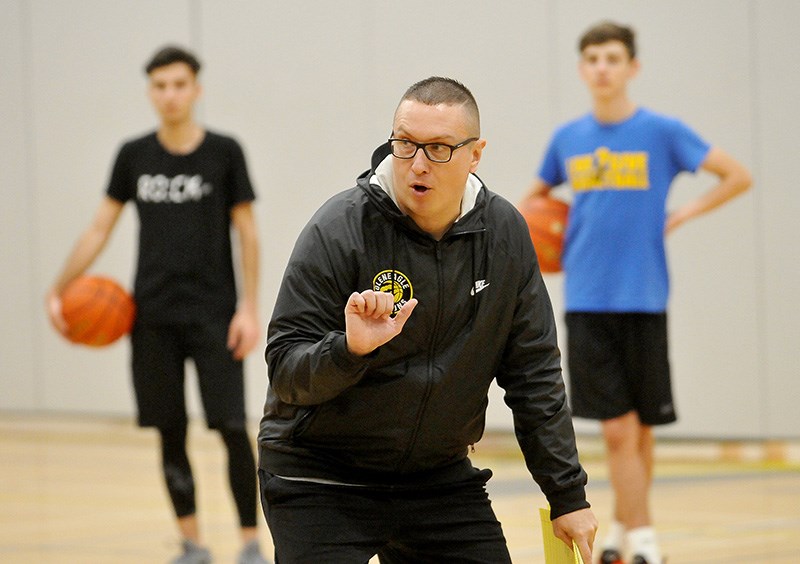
<point x="404" y="298"/>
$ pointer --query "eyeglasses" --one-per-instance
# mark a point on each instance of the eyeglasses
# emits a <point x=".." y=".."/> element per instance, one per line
<point x="436" y="152"/>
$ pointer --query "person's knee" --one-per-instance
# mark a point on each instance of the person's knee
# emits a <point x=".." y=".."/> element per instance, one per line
<point x="237" y="442"/>
<point x="234" y="433"/>
<point x="622" y="432"/>
<point x="173" y="445"/>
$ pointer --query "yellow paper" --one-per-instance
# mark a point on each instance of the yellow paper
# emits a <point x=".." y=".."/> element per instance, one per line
<point x="555" y="551"/>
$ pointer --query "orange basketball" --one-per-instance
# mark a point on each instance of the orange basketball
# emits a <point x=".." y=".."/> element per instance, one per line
<point x="98" y="311"/>
<point x="547" y="221"/>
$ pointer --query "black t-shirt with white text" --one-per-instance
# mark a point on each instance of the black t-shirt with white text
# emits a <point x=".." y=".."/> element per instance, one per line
<point x="185" y="268"/>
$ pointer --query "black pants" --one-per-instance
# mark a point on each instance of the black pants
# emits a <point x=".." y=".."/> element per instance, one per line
<point x="333" y="524"/>
<point x="179" y="478"/>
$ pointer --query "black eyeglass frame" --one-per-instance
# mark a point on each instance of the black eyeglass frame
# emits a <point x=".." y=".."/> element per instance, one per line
<point x="424" y="147"/>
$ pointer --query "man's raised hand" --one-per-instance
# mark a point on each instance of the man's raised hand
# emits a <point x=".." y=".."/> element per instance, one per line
<point x="368" y="321"/>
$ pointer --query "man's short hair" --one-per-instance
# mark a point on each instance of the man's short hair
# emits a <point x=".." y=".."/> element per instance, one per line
<point x="172" y="54"/>
<point x="606" y="31"/>
<point x="439" y="90"/>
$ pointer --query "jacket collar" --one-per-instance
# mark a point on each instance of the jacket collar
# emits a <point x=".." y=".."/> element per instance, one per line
<point x="380" y="177"/>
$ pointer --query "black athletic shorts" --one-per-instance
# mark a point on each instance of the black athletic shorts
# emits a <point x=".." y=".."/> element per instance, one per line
<point x="618" y="363"/>
<point x="159" y="353"/>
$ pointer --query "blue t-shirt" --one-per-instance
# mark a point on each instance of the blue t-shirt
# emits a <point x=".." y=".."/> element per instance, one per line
<point x="614" y="257"/>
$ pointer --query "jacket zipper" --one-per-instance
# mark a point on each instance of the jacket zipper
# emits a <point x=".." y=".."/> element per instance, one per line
<point x="431" y="350"/>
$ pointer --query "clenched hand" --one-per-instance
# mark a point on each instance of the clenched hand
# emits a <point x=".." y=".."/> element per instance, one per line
<point x="368" y="321"/>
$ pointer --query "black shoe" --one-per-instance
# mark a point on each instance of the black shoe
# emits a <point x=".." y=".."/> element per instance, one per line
<point x="611" y="556"/>
<point x="639" y="559"/>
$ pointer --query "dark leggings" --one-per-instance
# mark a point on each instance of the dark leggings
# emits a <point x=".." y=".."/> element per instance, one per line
<point x="241" y="471"/>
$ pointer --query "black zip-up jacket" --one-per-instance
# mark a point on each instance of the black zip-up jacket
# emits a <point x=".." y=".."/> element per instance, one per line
<point x="406" y="414"/>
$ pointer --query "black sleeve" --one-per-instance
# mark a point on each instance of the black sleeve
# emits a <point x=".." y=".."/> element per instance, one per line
<point x="306" y="353"/>
<point x="534" y="390"/>
<point x="121" y="185"/>
<point x="241" y="189"/>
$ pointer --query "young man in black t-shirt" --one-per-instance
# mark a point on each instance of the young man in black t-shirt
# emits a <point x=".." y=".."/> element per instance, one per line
<point x="190" y="186"/>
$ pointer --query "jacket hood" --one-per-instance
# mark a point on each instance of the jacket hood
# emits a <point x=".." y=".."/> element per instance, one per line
<point x="377" y="184"/>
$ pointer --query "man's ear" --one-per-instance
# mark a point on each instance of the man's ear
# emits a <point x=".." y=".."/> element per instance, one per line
<point x="477" y="151"/>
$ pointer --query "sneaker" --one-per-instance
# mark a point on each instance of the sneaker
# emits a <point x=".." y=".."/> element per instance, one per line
<point x="611" y="556"/>
<point x="639" y="559"/>
<point x="251" y="554"/>
<point x="193" y="553"/>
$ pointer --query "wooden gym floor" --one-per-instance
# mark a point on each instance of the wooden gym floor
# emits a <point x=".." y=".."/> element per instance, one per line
<point x="88" y="490"/>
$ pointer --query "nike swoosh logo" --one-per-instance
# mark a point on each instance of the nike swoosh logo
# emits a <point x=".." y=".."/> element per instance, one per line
<point x="479" y="285"/>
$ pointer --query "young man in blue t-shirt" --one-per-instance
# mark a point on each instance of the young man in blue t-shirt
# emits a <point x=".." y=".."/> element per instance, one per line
<point x="620" y="160"/>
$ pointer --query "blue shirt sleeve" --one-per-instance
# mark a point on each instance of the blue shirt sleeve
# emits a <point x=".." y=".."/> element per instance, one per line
<point x="689" y="150"/>
<point x="551" y="170"/>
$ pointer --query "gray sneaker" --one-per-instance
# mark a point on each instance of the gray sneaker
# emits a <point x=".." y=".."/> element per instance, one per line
<point x="251" y="554"/>
<point x="193" y="554"/>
